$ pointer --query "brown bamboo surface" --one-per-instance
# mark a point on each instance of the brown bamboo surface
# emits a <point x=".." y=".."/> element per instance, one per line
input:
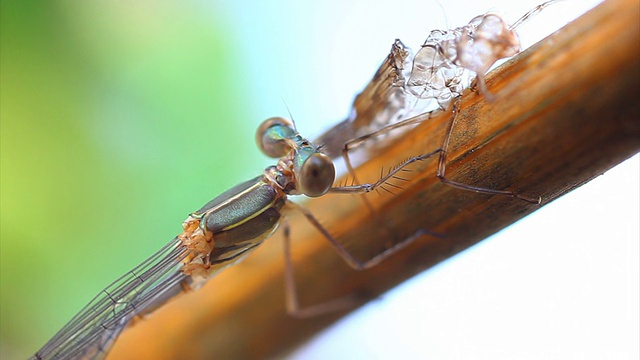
<point x="567" y="110"/>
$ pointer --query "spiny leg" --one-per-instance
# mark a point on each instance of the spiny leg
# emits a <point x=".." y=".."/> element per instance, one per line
<point x="442" y="166"/>
<point x="349" y="258"/>
<point x="442" y="161"/>
<point x="354" y="143"/>
<point x="342" y="303"/>
<point x="338" y="304"/>
<point x="291" y="293"/>
<point x="441" y="171"/>
<point x="357" y="142"/>
<point x="292" y="302"/>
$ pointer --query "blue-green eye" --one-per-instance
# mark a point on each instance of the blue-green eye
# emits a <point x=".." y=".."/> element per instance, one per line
<point x="272" y="136"/>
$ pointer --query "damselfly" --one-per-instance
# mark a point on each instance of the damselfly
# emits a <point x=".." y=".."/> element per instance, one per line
<point x="448" y="59"/>
<point x="440" y="71"/>
<point x="221" y="233"/>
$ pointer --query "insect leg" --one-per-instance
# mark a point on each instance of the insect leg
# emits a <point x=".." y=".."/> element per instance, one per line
<point x="291" y="293"/>
<point x="442" y="166"/>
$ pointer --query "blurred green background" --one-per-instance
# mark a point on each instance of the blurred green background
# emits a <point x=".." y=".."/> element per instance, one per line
<point x="118" y="119"/>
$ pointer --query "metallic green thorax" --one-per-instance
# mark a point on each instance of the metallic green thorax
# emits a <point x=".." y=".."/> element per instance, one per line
<point x="244" y="216"/>
<point x="241" y="218"/>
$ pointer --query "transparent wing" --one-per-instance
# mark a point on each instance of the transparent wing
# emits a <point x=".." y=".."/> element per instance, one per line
<point x="91" y="333"/>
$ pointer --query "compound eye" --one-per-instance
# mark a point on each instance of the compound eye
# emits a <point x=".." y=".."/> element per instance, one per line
<point x="272" y="134"/>
<point x="316" y="175"/>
